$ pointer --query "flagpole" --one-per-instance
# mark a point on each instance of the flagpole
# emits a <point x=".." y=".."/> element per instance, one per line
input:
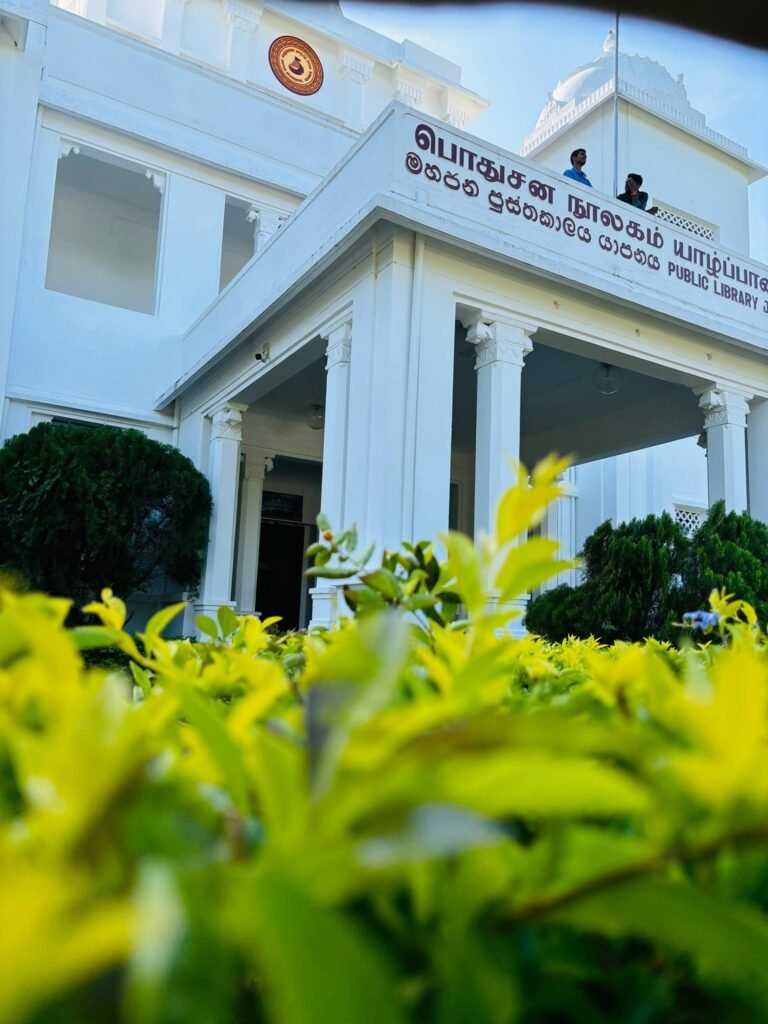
<point x="616" y="107"/>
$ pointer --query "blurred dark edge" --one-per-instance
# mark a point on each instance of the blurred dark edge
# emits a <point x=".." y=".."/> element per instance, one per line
<point x="743" y="21"/>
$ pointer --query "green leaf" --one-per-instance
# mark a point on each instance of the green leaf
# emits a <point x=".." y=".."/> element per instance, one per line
<point x="475" y="984"/>
<point x="463" y="565"/>
<point x="206" y="625"/>
<point x="541" y="785"/>
<point x="228" y="756"/>
<point x="351" y="541"/>
<point x="315" y="549"/>
<point x="161" y="619"/>
<point x="323" y="556"/>
<point x="727" y="942"/>
<point x="141" y="678"/>
<point x="323" y="522"/>
<point x="319" y="967"/>
<point x="330" y="572"/>
<point x="366" y="554"/>
<point x="383" y="581"/>
<point x="526" y="566"/>
<point x="91" y="638"/>
<point x="227" y="620"/>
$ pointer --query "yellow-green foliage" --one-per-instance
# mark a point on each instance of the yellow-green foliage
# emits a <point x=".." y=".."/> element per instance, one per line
<point x="395" y="821"/>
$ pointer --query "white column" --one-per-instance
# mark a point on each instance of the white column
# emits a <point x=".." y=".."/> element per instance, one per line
<point x="757" y="458"/>
<point x="560" y="524"/>
<point x="725" y="421"/>
<point x="189" y="265"/>
<point x="223" y="476"/>
<point x="257" y="463"/>
<point x="427" y="483"/>
<point x="338" y="353"/>
<point x="356" y="71"/>
<point x="501" y="347"/>
<point x="243" y="22"/>
<point x="173" y="25"/>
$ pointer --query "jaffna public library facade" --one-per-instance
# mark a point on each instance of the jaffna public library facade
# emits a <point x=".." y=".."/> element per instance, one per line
<point x="442" y="303"/>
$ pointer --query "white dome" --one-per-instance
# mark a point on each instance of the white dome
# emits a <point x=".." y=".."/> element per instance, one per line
<point x="636" y="75"/>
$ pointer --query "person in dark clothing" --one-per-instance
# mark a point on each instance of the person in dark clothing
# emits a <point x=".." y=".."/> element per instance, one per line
<point x="633" y="195"/>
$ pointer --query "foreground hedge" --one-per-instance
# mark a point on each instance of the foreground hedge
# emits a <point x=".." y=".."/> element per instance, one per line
<point x="397" y="821"/>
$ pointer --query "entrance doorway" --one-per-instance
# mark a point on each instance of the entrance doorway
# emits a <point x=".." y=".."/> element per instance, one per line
<point x="281" y="586"/>
<point x="290" y="504"/>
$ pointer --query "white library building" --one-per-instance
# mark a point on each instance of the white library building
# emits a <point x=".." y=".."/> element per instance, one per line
<point x="266" y="235"/>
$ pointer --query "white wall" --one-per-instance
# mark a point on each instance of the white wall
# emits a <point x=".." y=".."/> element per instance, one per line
<point x="639" y="484"/>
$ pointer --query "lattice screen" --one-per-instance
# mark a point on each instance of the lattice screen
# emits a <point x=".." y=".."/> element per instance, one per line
<point x="690" y="518"/>
<point x="681" y="220"/>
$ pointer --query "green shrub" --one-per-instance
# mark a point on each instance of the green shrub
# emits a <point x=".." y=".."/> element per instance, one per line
<point x="630" y="589"/>
<point x="87" y="507"/>
<point x="728" y="550"/>
<point x="407" y="820"/>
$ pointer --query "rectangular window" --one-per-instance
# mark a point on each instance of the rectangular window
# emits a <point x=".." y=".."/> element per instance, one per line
<point x="238" y="240"/>
<point x="104" y="231"/>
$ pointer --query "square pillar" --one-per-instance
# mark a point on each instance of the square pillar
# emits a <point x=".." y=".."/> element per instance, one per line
<point x="243" y="22"/>
<point x="223" y="476"/>
<point x="559" y="524"/>
<point x="757" y="459"/>
<point x="355" y="71"/>
<point x="501" y="347"/>
<point x="173" y="25"/>
<point x="725" y="422"/>
<point x="257" y="464"/>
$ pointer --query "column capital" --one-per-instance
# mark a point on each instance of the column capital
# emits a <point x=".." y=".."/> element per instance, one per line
<point x="355" y="68"/>
<point x="408" y="93"/>
<point x="243" y="16"/>
<point x="501" y="341"/>
<point x="453" y="111"/>
<point x="227" y="422"/>
<point x="338" y="338"/>
<point x="257" y="463"/>
<point x="723" y="408"/>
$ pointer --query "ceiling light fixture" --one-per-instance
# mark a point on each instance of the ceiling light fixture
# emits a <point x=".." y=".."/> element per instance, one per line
<point x="606" y="379"/>
<point x="315" y="418"/>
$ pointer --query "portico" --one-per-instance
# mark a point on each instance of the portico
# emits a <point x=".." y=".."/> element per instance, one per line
<point x="457" y="314"/>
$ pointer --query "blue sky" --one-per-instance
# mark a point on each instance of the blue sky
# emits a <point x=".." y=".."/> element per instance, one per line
<point x="513" y="54"/>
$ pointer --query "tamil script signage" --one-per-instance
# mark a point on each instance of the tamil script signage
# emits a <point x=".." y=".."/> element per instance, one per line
<point x="557" y="210"/>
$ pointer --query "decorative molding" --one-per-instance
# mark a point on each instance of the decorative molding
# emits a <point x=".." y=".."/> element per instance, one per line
<point x="227" y="423"/>
<point x="408" y="93"/>
<point x="339" y="343"/>
<point x="267" y="222"/>
<point x="66" y="147"/>
<point x="243" y="16"/>
<point x="257" y="464"/>
<point x="723" y="409"/>
<point x="158" y="179"/>
<point x="454" y="113"/>
<point x="356" y="69"/>
<point x="500" y="342"/>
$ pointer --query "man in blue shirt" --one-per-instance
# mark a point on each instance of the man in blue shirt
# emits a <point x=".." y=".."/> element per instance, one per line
<point x="576" y="170"/>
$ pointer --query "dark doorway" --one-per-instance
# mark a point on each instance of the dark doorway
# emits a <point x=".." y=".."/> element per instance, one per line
<point x="281" y="563"/>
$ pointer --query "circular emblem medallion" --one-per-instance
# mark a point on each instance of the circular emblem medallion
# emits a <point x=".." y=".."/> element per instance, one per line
<point x="296" y="65"/>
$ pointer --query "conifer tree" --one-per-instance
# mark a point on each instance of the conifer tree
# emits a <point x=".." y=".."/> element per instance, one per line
<point x="83" y="508"/>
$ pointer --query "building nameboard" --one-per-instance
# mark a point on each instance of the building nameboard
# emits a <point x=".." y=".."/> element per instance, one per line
<point x="518" y="197"/>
